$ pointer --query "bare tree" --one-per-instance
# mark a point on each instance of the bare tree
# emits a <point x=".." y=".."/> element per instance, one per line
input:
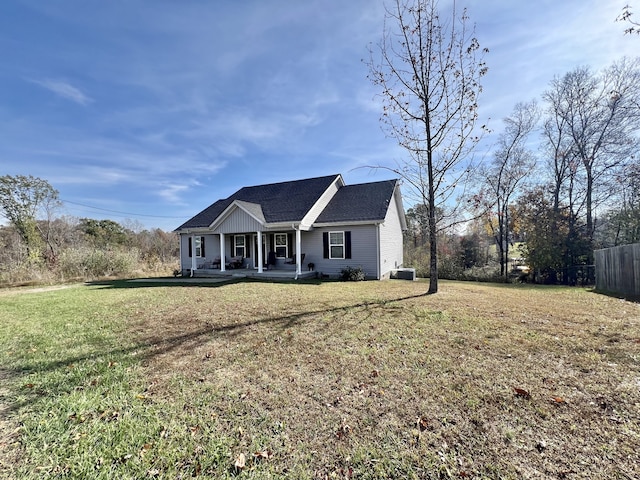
<point x="562" y="158"/>
<point x="429" y="72"/>
<point x="602" y="119"/>
<point x="512" y="163"/>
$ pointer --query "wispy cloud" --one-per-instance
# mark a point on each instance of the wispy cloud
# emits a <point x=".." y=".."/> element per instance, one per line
<point x="64" y="90"/>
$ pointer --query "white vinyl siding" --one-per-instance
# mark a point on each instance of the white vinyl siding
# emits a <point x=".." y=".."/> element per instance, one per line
<point x="363" y="250"/>
<point x="391" y="252"/>
<point x="211" y="251"/>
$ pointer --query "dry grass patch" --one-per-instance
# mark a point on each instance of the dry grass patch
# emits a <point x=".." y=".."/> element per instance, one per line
<point x="328" y="380"/>
<point x="376" y="380"/>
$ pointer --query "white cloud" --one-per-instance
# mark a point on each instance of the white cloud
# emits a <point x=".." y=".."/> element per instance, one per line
<point x="65" y="90"/>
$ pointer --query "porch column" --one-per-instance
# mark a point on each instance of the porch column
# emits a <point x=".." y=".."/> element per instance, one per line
<point x="260" y="259"/>
<point x="222" y="254"/>
<point x="194" y="261"/>
<point x="298" y="252"/>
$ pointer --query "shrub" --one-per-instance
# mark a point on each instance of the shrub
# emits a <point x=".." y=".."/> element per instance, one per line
<point x="91" y="263"/>
<point x="351" y="274"/>
<point x="487" y="273"/>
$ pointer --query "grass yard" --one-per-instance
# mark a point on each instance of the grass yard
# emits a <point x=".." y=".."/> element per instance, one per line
<point x="319" y="380"/>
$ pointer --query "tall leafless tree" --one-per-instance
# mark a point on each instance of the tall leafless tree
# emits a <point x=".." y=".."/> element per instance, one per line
<point x="602" y="119"/>
<point x="429" y="69"/>
<point x="512" y="163"/>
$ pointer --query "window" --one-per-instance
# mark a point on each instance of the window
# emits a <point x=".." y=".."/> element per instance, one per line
<point x="239" y="246"/>
<point x="198" y="246"/>
<point x="281" y="245"/>
<point x="336" y="244"/>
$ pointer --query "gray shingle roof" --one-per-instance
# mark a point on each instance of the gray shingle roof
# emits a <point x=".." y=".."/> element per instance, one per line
<point x="281" y="202"/>
<point x="362" y="202"/>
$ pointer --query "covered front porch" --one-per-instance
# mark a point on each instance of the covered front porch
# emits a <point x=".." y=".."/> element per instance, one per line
<point x="272" y="274"/>
<point x="246" y="253"/>
<point x="241" y="242"/>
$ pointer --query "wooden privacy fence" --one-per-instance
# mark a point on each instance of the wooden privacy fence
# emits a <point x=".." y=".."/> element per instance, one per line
<point x="618" y="270"/>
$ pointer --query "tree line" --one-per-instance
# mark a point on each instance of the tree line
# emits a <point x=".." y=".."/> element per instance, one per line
<point x="562" y="179"/>
<point x="39" y="245"/>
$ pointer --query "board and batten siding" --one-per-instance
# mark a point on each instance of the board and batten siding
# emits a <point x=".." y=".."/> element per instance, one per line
<point x="618" y="270"/>
<point x="239" y="221"/>
<point x="391" y="238"/>
<point x="363" y="250"/>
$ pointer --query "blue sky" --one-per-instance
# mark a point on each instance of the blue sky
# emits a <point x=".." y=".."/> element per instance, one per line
<point x="151" y="110"/>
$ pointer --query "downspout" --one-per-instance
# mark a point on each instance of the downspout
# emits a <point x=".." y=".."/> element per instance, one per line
<point x="378" y="267"/>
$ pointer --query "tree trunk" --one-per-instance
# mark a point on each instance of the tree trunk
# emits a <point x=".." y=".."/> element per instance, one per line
<point x="506" y="245"/>
<point x="433" y="249"/>
<point x="433" y="231"/>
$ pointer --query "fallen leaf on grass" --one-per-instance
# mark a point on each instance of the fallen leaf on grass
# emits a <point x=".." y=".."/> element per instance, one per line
<point x="240" y="462"/>
<point x="263" y="455"/>
<point x="343" y="431"/>
<point x="145" y="448"/>
<point x="422" y="423"/>
<point x="520" y="392"/>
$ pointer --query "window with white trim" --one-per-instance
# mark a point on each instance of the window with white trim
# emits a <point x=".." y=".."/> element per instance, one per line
<point x="239" y="245"/>
<point x="336" y="245"/>
<point x="281" y="245"/>
<point x="198" y="241"/>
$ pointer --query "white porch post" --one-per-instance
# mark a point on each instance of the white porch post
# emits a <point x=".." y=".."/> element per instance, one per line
<point x="298" y="252"/>
<point x="222" y="253"/>
<point x="260" y="259"/>
<point x="194" y="262"/>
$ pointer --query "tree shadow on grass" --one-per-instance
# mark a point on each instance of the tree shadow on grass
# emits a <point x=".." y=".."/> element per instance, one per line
<point x="147" y="348"/>
<point x="206" y="282"/>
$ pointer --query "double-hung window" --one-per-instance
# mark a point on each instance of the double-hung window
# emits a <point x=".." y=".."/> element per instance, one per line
<point x="336" y="244"/>
<point x="199" y="246"/>
<point x="239" y="245"/>
<point x="281" y="245"/>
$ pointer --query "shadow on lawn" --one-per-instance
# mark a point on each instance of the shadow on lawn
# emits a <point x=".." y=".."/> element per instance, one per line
<point x="149" y="347"/>
<point x="206" y="282"/>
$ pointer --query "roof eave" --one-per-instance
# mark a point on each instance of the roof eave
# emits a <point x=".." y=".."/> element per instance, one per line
<point x="348" y="222"/>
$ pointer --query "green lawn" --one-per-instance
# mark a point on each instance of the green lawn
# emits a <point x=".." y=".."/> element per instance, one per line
<point x="318" y="380"/>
